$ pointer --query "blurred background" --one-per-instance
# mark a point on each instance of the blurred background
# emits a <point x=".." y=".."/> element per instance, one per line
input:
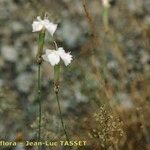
<point x="104" y="92"/>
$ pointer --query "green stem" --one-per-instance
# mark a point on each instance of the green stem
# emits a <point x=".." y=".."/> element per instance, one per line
<point x="39" y="101"/>
<point x="106" y="17"/>
<point x="61" y="118"/>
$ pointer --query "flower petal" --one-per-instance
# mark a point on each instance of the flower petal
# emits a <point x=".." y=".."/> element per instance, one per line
<point x="61" y="51"/>
<point x="45" y="57"/>
<point x="51" y="27"/>
<point x="53" y="58"/>
<point x="48" y="51"/>
<point x="106" y="3"/>
<point x="36" y="26"/>
<point x="39" y="18"/>
<point x="66" y="57"/>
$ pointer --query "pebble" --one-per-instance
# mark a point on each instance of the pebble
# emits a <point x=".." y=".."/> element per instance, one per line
<point x="9" y="53"/>
<point x="24" y="82"/>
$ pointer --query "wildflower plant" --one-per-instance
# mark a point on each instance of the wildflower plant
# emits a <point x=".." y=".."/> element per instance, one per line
<point x="53" y="57"/>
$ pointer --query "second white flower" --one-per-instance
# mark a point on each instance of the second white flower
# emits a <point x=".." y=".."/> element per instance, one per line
<point x="54" y="56"/>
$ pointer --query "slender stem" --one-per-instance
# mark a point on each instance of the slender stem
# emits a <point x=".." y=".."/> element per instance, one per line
<point x="62" y="122"/>
<point x="105" y="17"/>
<point x="56" y="46"/>
<point x="39" y="101"/>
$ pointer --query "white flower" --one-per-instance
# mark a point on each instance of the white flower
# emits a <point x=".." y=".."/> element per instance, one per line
<point x="54" y="56"/>
<point x="41" y="24"/>
<point x="106" y="3"/>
